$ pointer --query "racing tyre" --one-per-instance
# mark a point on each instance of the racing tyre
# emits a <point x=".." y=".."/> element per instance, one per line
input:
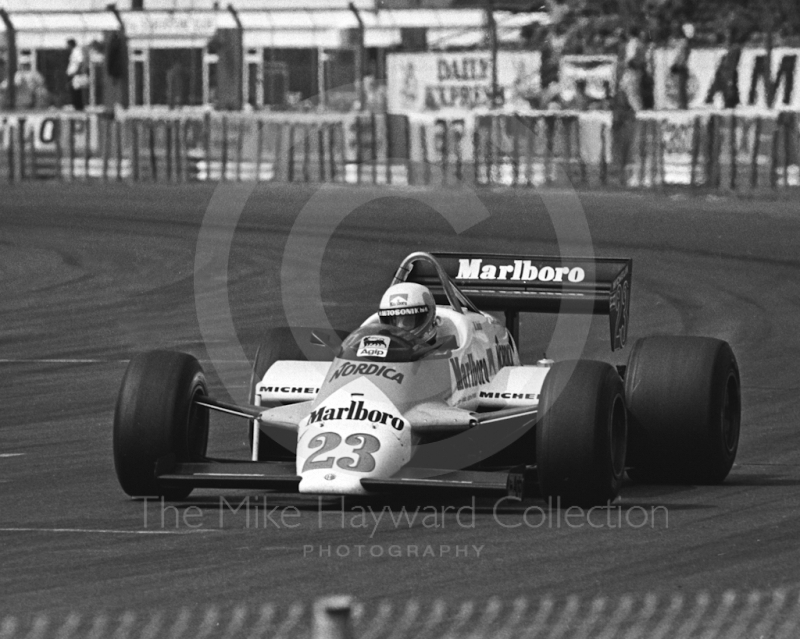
<point x="155" y="418"/>
<point x="581" y="436"/>
<point x="281" y="343"/>
<point x="684" y="401"/>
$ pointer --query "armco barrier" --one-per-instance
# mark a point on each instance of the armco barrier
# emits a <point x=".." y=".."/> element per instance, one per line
<point x="722" y="615"/>
<point x="729" y="150"/>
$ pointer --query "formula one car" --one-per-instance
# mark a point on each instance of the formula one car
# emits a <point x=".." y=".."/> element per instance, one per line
<point x="383" y="409"/>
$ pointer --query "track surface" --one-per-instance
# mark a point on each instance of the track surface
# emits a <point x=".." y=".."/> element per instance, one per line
<point x="90" y="275"/>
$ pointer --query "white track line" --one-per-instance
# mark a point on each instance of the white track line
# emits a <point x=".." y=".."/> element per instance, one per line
<point x="62" y="361"/>
<point x="107" y="531"/>
<point x="27" y="360"/>
<point x="5" y="455"/>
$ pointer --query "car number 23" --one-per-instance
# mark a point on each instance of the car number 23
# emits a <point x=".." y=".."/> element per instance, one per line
<point x="363" y="447"/>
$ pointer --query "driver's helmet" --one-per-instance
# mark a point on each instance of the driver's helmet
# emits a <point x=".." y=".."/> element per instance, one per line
<point x="411" y="307"/>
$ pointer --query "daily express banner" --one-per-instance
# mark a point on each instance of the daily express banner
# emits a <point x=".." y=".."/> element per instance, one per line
<point x="439" y="81"/>
<point x="754" y="79"/>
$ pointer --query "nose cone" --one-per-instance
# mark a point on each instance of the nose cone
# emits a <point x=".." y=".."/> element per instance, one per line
<point x="354" y="433"/>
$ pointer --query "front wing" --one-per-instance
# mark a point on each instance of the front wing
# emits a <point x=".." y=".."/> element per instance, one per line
<point x="282" y="477"/>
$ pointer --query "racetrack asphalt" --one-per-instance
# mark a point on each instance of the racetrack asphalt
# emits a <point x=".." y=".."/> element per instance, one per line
<point x="91" y="274"/>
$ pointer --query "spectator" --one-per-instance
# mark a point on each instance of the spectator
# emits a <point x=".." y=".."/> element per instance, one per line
<point x="680" y="65"/>
<point x="551" y="62"/>
<point x="726" y="79"/>
<point x="634" y="64"/>
<point x="647" y="81"/>
<point x="77" y="74"/>
<point x="176" y="85"/>
<point x="580" y="101"/>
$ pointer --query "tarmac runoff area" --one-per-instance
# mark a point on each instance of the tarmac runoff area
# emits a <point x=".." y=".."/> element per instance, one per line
<point x="90" y="274"/>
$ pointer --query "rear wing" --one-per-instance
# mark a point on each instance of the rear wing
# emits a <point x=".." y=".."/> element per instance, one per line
<point x="535" y="284"/>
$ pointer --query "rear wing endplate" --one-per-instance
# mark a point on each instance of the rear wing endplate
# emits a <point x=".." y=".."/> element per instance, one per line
<point x="536" y="284"/>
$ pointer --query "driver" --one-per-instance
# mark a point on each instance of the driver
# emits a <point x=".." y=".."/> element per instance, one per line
<point x="411" y="307"/>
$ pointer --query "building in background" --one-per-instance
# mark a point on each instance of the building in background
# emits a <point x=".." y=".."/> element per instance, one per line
<point x="257" y="54"/>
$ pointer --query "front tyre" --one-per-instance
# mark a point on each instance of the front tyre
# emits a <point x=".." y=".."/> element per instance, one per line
<point x="156" y="417"/>
<point x="581" y="436"/>
<point x="684" y="398"/>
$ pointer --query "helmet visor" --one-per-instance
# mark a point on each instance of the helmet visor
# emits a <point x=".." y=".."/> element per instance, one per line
<point x="409" y="318"/>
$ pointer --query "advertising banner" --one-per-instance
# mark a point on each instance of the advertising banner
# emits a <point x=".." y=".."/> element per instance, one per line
<point x="755" y="85"/>
<point x="441" y="81"/>
<point x="598" y="71"/>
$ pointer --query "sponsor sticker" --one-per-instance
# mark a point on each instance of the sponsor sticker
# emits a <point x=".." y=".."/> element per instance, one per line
<point x="373" y="346"/>
<point x="356" y="411"/>
<point x="379" y="370"/>
<point x="398" y="299"/>
<point x="520" y="270"/>
<point x="407" y="310"/>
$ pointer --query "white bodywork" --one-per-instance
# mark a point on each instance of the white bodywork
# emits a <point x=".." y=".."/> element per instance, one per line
<point x="362" y="419"/>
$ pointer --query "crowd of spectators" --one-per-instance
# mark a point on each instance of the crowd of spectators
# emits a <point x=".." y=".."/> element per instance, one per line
<point x="630" y="31"/>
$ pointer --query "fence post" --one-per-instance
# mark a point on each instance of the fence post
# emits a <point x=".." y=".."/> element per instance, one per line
<point x="388" y="135"/>
<point x="695" y="152"/>
<point x="662" y="168"/>
<point x="642" y="130"/>
<point x="106" y="144"/>
<point x="168" y="149"/>
<point x="134" y="127"/>
<point x="332" y="133"/>
<point x="118" y="142"/>
<point x="732" y="128"/>
<point x="374" y="147"/>
<point x="71" y="149"/>
<point x="151" y="142"/>
<point x="23" y="155"/>
<point x="59" y="128"/>
<point x="458" y="145"/>
<point x="549" y="125"/>
<point x="31" y="168"/>
<point x="426" y="169"/>
<point x="579" y="150"/>
<point x="239" y="150"/>
<point x="785" y="118"/>
<point x="259" y="146"/>
<point x="331" y="618"/>
<point x="444" y="148"/>
<point x="515" y="154"/>
<point x="290" y="155"/>
<point x="773" y="168"/>
<point x="566" y="134"/>
<point x="359" y="149"/>
<point x="224" y="160"/>
<point x="306" y="153"/>
<point x="603" y="153"/>
<point x="754" y="155"/>
<point x="476" y="149"/>
<point x="655" y="141"/>
<point x="177" y="148"/>
<point x="531" y="124"/>
<point x="10" y="154"/>
<point x="87" y="146"/>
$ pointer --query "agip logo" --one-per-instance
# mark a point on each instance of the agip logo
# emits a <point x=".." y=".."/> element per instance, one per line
<point x="373" y="346"/>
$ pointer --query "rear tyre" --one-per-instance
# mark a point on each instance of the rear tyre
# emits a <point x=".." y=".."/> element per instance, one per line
<point x="156" y="418"/>
<point x="684" y="399"/>
<point x="581" y="436"/>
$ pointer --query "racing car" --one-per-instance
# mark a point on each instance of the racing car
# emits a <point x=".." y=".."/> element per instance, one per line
<point x="385" y="408"/>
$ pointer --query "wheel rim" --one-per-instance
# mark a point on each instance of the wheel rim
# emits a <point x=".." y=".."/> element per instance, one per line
<point x="618" y="436"/>
<point x="730" y="415"/>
